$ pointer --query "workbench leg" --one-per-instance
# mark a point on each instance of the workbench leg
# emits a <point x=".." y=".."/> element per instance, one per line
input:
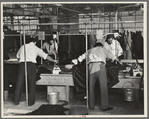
<point x="67" y="93"/>
<point x="5" y="95"/>
<point x="137" y="98"/>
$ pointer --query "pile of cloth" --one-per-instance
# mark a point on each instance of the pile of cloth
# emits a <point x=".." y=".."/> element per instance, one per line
<point x="47" y="109"/>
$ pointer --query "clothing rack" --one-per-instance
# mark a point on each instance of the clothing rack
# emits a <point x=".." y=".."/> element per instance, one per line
<point x="137" y="61"/>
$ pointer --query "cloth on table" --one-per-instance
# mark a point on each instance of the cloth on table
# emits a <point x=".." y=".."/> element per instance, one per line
<point x="41" y="69"/>
<point x="45" y="68"/>
<point x="112" y="73"/>
<point x="79" y="76"/>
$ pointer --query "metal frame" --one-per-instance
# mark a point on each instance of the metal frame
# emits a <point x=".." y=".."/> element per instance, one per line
<point x="25" y="67"/>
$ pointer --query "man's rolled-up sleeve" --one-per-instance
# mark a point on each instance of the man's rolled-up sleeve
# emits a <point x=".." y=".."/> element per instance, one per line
<point x="82" y="57"/>
<point x="109" y="55"/>
<point x="42" y="54"/>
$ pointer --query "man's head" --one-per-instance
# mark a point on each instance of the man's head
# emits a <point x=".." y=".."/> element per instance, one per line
<point x="110" y="38"/>
<point x="54" y="34"/>
<point x="99" y="44"/>
<point x="51" y="41"/>
<point x="33" y="40"/>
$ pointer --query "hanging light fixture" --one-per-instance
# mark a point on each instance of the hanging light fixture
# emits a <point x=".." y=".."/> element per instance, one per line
<point x="87" y="8"/>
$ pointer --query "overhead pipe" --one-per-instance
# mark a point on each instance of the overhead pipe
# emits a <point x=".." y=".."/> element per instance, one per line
<point x="72" y="10"/>
<point x="23" y="9"/>
<point x="123" y="9"/>
<point x="140" y="21"/>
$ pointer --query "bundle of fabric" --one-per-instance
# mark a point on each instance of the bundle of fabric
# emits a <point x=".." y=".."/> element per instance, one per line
<point x="79" y="77"/>
<point x="137" y="44"/>
<point x="112" y="73"/>
<point x="42" y="69"/>
<point x="47" y="109"/>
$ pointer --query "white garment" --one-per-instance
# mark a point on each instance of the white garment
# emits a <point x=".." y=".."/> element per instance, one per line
<point x="114" y="48"/>
<point x="32" y="51"/>
<point x="97" y="54"/>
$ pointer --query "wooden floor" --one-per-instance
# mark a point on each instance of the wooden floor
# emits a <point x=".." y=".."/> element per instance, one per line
<point x="120" y="107"/>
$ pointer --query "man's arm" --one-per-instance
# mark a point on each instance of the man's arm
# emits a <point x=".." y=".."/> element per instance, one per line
<point x="112" y="57"/>
<point x="51" y="59"/>
<point x="18" y="53"/>
<point x="46" y="46"/>
<point x="109" y="55"/>
<point x="119" y="48"/>
<point x="80" y="59"/>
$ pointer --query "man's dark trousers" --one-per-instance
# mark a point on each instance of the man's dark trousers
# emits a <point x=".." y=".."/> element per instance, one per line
<point x="31" y="79"/>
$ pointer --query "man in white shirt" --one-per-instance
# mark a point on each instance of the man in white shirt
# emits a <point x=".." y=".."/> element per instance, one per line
<point x="97" y="72"/>
<point x="32" y="51"/>
<point x="114" y="47"/>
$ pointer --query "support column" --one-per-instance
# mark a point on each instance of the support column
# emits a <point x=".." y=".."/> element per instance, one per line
<point x="110" y="24"/>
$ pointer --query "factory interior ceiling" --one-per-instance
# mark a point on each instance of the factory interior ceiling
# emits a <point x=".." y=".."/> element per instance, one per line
<point x="66" y="11"/>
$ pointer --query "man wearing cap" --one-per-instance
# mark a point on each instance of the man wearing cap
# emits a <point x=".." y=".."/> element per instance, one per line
<point x="97" y="72"/>
<point x="31" y="53"/>
<point x="114" y="47"/>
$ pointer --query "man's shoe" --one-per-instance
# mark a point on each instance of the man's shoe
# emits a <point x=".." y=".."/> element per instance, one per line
<point x="109" y="108"/>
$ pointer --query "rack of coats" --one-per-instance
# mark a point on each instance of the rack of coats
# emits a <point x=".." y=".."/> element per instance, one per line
<point x="71" y="46"/>
<point x="132" y="44"/>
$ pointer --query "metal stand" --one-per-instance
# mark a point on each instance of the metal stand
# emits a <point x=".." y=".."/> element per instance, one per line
<point x="86" y="66"/>
<point x="25" y="67"/>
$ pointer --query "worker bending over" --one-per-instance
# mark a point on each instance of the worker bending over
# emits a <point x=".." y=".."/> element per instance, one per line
<point x="97" y="72"/>
<point x="113" y="46"/>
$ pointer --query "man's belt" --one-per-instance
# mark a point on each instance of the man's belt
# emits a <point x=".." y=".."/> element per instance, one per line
<point x="98" y="62"/>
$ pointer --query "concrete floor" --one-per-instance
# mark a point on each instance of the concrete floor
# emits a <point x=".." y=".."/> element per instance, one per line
<point x="120" y="107"/>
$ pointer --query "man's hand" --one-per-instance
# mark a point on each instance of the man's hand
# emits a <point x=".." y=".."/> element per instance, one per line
<point x="75" y="61"/>
<point x="55" y="61"/>
<point x="117" y="61"/>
